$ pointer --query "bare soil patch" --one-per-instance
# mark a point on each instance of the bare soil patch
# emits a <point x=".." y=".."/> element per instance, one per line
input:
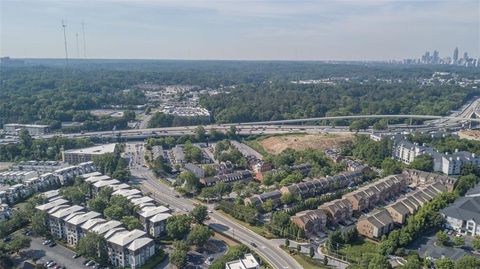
<point x="277" y="144"/>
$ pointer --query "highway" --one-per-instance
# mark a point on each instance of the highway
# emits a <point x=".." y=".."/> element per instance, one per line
<point x="280" y="126"/>
<point x="166" y="195"/>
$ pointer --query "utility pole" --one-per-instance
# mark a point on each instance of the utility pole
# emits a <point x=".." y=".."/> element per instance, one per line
<point x="65" y="41"/>
<point x="84" y="42"/>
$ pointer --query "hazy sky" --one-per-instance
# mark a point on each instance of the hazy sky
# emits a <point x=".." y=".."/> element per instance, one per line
<point x="240" y="29"/>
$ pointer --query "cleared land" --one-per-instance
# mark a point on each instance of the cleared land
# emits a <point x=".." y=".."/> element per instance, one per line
<point x="470" y="134"/>
<point x="277" y="144"/>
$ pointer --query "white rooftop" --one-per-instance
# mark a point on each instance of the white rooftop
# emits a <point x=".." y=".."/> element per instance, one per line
<point x="151" y="211"/>
<point x="139" y="243"/>
<point x="89" y="224"/>
<point x="120" y="186"/>
<point x="51" y="204"/>
<point x="103" y="183"/>
<point x="126" y="192"/>
<point x="79" y="219"/>
<point x="114" y="231"/>
<point x="93" y="174"/>
<point x="105" y="227"/>
<point x="142" y="200"/>
<point x="62" y="213"/>
<point x="96" y="150"/>
<point x="123" y="239"/>
<point x="160" y="217"/>
<point x="249" y="262"/>
<point x="96" y="179"/>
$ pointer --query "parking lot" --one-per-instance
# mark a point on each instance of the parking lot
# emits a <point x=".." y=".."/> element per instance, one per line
<point x="427" y="247"/>
<point x="60" y="254"/>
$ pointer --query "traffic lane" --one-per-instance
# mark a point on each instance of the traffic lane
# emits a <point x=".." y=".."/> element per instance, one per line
<point x="60" y="254"/>
<point x="269" y="251"/>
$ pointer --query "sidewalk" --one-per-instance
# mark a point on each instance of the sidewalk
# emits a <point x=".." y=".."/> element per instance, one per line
<point x="305" y="250"/>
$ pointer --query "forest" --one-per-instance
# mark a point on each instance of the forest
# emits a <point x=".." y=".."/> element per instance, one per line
<point x="47" y="92"/>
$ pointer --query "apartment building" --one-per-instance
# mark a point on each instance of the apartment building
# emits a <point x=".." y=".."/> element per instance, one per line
<point x="130" y="248"/>
<point x="311" y="221"/>
<point x="75" y="156"/>
<point x="73" y="226"/>
<point x="464" y="214"/>
<point x="375" y="224"/>
<point x="33" y="129"/>
<point x="57" y="217"/>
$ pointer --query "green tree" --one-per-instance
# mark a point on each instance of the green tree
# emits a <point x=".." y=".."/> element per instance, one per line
<point x="178" y="226"/>
<point x="444" y="263"/>
<point x="189" y="181"/>
<point x="39" y="223"/>
<point x="199" y="235"/>
<point x="312" y="252"/>
<point x="467" y="262"/>
<point x="287" y="242"/>
<point x="178" y="257"/>
<point x="200" y="133"/>
<point x="391" y="167"/>
<point x="442" y="238"/>
<point x="325" y="260"/>
<point x="93" y="246"/>
<point x="379" y="262"/>
<point x="132" y="223"/>
<point x="423" y="162"/>
<point x="199" y="213"/>
<point x="287" y="198"/>
<point x="19" y="242"/>
<point x="458" y="241"/>
<point x="299" y="247"/>
<point x="476" y="243"/>
<point x="413" y="262"/>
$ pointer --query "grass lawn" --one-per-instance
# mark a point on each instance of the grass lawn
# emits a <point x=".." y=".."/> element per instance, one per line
<point x="355" y="251"/>
<point x="307" y="262"/>
<point x="256" y="146"/>
<point x="256" y="229"/>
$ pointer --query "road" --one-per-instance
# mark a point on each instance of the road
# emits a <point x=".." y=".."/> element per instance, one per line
<point x="165" y="194"/>
<point x="278" y="126"/>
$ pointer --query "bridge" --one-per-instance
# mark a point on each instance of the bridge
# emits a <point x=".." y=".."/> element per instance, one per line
<point x="273" y="127"/>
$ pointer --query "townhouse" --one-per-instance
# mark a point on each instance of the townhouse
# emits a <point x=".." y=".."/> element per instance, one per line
<point x="322" y="185"/>
<point x="303" y="169"/>
<point x="376" y="224"/>
<point x="311" y="221"/>
<point x="258" y="199"/>
<point x="337" y="211"/>
<point x="420" y="178"/>
<point x="370" y="195"/>
<point x="379" y="222"/>
<point x="227" y="178"/>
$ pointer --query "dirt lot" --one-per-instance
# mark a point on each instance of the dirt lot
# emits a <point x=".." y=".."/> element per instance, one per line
<point x="5" y="165"/>
<point x="470" y="134"/>
<point x="277" y="144"/>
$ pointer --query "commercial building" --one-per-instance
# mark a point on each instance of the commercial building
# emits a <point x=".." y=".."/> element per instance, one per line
<point x="75" y="156"/>
<point x="311" y="221"/>
<point x="33" y="129"/>
<point x="249" y="262"/>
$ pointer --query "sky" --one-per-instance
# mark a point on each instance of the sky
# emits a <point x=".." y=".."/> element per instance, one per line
<point x="239" y="29"/>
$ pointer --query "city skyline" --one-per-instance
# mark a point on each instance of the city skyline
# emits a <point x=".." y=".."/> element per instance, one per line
<point x="255" y="30"/>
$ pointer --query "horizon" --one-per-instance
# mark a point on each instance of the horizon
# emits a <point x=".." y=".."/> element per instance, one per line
<point x="260" y="30"/>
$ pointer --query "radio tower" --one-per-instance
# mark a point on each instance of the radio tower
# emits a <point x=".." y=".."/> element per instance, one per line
<point x="78" y="49"/>
<point x="65" y="40"/>
<point x="84" y="42"/>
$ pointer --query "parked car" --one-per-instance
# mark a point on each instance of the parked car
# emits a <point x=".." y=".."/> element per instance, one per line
<point x="90" y="263"/>
<point x="76" y="256"/>
<point x="51" y="265"/>
<point x="47" y="242"/>
<point x="52" y="244"/>
<point x="86" y="262"/>
<point x="49" y="262"/>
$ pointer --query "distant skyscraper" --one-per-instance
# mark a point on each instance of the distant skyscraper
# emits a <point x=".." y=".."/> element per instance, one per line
<point x="465" y="56"/>
<point x="455" y="55"/>
<point x="436" y="57"/>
